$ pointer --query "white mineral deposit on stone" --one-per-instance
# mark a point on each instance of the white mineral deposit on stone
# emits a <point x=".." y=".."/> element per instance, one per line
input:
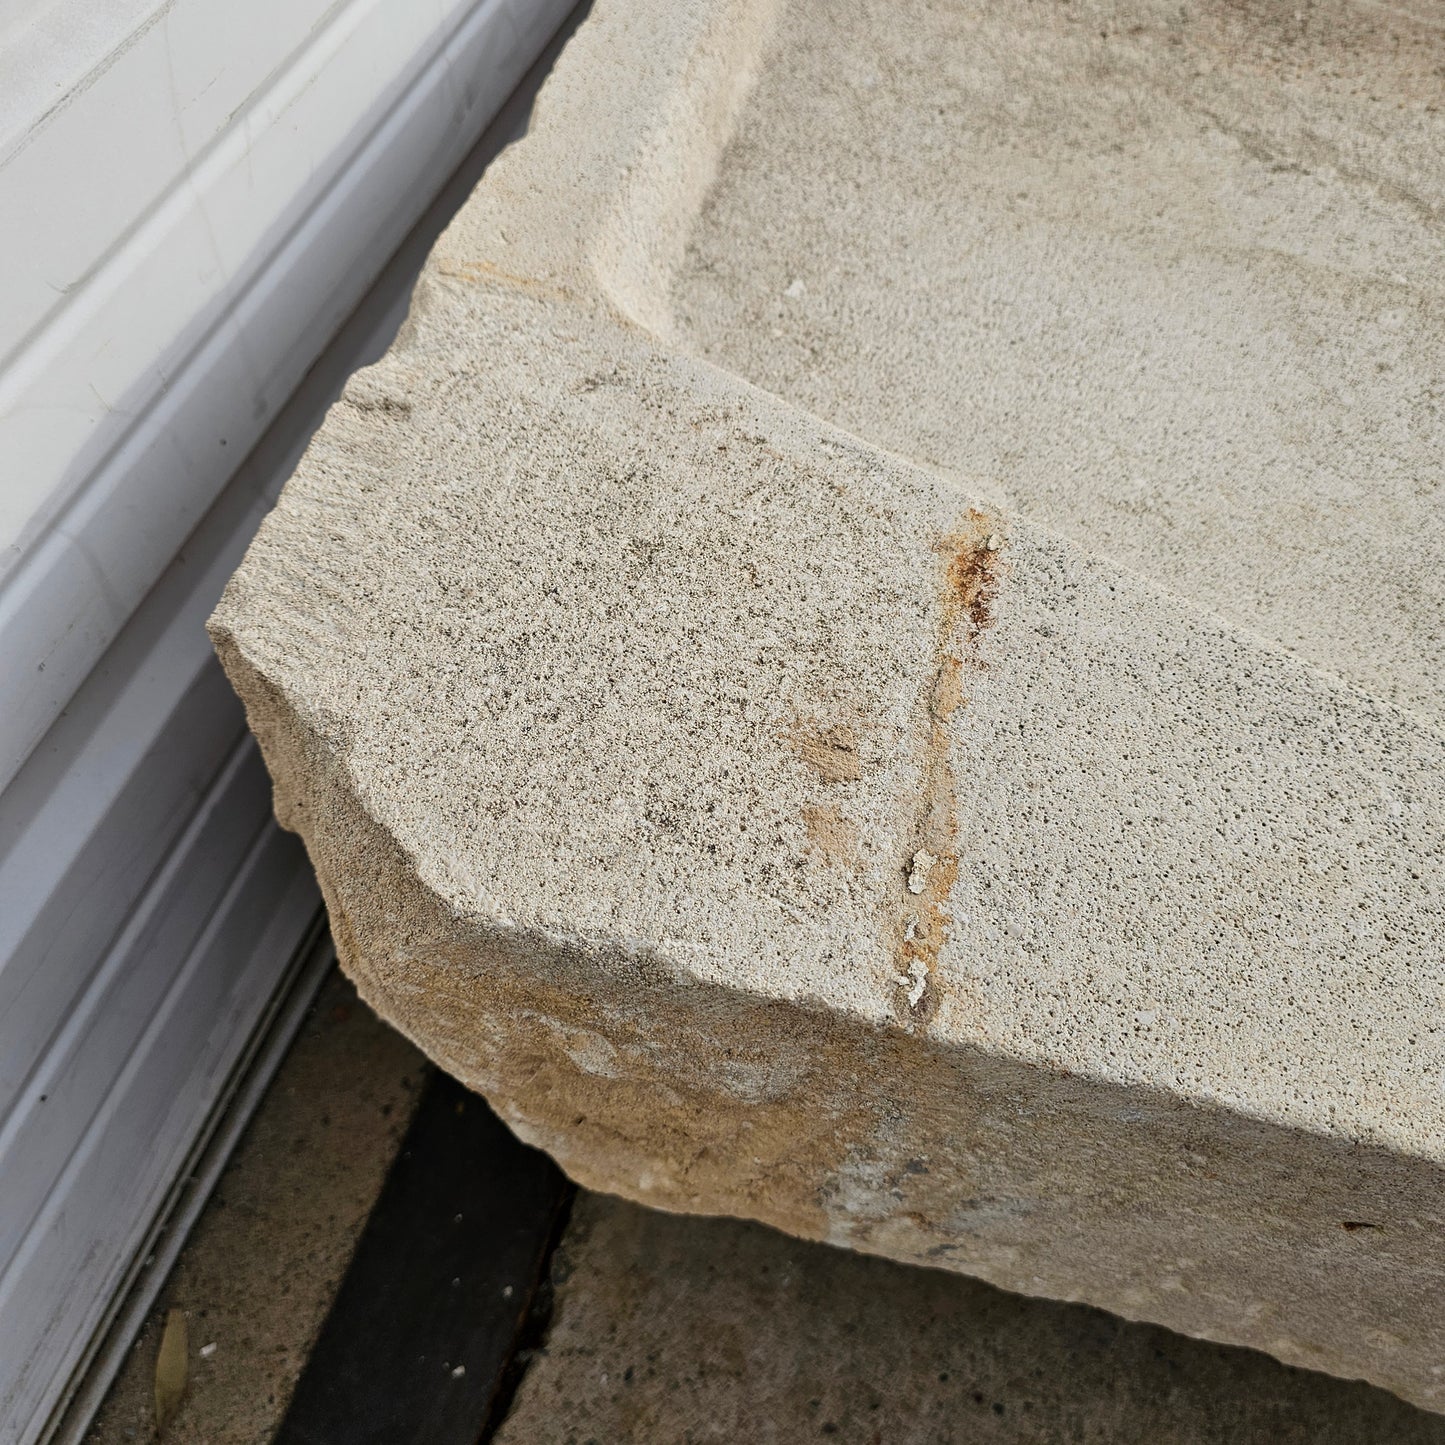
<point x="922" y="865"/>
<point x="918" y="971"/>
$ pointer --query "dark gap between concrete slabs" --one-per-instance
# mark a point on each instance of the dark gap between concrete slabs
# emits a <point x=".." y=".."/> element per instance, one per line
<point x="419" y="1346"/>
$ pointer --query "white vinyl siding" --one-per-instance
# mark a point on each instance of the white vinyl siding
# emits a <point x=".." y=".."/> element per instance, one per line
<point x="194" y="197"/>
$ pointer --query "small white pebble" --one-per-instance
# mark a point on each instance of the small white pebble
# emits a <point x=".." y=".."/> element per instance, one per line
<point x="459" y="1372"/>
<point x="1145" y="1016"/>
<point x="208" y="1350"/>
<point x="994" y="543"/>
<point x="795" y="289"/>
<point x="506" y="1291"/>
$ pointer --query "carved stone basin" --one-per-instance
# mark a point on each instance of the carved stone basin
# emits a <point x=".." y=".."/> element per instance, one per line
<point x="871" y="658"/>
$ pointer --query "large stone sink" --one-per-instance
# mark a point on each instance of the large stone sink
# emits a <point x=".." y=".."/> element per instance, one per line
<point x="872" y="658"/>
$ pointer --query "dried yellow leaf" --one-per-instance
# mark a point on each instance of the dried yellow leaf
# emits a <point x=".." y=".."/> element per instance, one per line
<point x="171" y="1365"/>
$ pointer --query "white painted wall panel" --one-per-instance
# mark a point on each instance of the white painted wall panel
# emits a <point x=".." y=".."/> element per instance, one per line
<point x="172" y="1075"/>
<point x="178" y="261"/>
<point x="219" y="185"/>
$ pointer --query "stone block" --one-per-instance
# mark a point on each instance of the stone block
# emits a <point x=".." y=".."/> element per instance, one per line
<point x="774" y="819"/>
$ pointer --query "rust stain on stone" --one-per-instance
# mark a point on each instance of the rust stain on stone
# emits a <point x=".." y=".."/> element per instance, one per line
<point x="972" y="557"/>
<point x="833" y="834"/>
<point x="831" y="752"/>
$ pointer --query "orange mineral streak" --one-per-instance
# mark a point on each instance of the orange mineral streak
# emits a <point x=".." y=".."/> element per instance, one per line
<point x="972" y="564"/>
<point x="831" y="752"/>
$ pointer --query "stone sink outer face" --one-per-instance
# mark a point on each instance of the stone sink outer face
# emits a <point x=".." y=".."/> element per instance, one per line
<point x="768" y="826"/>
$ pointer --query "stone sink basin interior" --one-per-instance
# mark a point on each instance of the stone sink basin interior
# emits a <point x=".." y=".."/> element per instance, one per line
<point x="1158" y="277"/>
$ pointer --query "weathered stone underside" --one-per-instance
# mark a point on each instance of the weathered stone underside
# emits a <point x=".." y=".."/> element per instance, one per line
<point x="768" y="825"/>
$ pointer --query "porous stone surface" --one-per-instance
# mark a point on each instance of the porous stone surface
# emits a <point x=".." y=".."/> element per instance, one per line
<point x="1166" y="278"/>
<point x="771" y="825"/>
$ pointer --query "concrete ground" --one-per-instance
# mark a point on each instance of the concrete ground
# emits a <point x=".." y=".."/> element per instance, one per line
<point x="673" y="1329"/>
<point x="262" y="1266"/>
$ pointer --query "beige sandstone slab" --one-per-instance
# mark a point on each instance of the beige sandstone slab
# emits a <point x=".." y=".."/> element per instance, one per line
<point x="771" y="825"/>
